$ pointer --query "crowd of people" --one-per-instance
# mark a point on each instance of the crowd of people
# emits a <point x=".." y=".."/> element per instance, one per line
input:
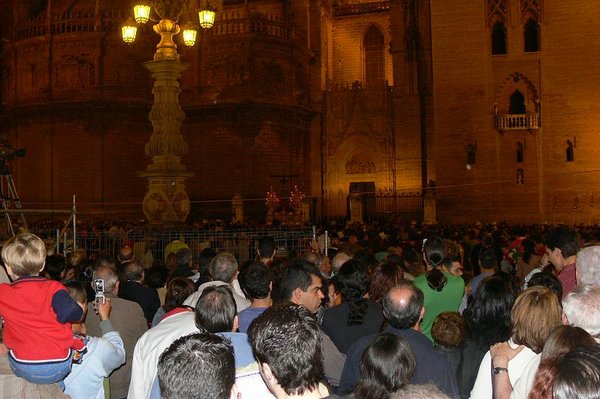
<point x="365" y="312"/>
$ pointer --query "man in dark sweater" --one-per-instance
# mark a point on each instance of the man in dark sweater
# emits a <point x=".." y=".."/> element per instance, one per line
<point x="403" y="310"/>
<point x="133" y="290"/>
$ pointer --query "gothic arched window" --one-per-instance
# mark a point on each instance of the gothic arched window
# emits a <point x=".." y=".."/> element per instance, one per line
<point x="498" y="38"/>
<point x="531" y="35"/>
<point x="374" y="45"/>
<point x="517" y="103"/>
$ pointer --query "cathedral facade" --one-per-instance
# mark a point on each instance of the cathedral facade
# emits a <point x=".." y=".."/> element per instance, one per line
<point x="487" y="106"/>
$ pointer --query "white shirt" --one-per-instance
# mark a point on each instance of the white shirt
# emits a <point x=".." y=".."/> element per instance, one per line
<point x="482" y="389"/>
<point x="241" y="302"/>
<point x="523" y="385"/>
<point x="149" y="348"/>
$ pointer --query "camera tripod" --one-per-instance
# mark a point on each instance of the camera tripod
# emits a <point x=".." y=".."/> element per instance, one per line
<point x="9" y="198"/>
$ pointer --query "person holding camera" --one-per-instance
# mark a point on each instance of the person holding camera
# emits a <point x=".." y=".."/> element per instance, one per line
<point x="127" y="317"/>
<point x="104" y="354"/>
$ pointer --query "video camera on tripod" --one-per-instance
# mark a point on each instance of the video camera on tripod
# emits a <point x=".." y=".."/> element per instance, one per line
<point x="8" y="152"/>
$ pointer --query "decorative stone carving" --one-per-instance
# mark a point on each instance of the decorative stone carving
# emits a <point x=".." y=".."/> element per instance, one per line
<point x="357" y="165"/>
<point x="531" y="8"/>
<point x="497" y="10"/>
<point x="267" y="139"/>
<point x="73" y="73"/>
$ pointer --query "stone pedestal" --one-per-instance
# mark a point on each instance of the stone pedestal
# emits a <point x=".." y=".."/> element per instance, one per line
<point x="429" y="208"/>
<point x="166" y="202"/>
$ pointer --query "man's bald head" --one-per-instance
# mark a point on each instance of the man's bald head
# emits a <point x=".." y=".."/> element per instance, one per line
<point x="402" y="306"/>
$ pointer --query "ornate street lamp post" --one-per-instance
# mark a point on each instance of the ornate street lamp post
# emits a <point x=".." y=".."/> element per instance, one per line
<point x="166" y="201"/>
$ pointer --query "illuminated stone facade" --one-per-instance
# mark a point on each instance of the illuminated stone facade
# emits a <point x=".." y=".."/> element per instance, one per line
<point x="321" y="94"/>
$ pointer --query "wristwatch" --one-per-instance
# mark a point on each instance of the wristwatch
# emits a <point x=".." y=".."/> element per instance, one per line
<point x="498" y="370"/>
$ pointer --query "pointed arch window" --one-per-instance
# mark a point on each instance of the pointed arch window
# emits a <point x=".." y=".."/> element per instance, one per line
<point x="498" y="38"/>
<point x="517" y="103"/>
<point x="531" y="35"/>
<point x="374" y="46"/>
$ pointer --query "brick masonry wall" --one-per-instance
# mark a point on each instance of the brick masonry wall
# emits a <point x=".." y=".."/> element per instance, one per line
<point x="467" y="83"/>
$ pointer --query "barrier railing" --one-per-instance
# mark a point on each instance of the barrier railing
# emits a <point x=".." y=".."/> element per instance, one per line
<point x="150" y="245"/>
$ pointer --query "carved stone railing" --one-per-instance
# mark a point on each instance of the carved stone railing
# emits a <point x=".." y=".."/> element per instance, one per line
<point x="518" y="122"/>
<point x="266" y="26"/>
<point x="87" y="21"/>
<point x="32" y="27"/>
<point x="361" y="8"/>
<point x="72" y="22"/>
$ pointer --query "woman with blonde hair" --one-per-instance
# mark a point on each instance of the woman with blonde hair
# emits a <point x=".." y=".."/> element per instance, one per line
<point x="534" y="315"/>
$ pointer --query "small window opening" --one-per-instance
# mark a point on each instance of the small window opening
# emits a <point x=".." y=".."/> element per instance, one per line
<point x="498" y="38"/>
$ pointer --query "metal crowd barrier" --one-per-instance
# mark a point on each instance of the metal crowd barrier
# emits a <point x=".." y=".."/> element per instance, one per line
<point x="242" y="243"/>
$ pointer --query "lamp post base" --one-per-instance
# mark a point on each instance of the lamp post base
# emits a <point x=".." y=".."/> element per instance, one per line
<point x="166" y="202"/>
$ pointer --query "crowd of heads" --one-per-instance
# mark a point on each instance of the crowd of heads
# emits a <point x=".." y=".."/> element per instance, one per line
<point x="286" y="338"/>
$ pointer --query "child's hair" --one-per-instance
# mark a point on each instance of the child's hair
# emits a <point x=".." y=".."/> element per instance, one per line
<point x="448" y="329"/>
<point x="25" y="254"/>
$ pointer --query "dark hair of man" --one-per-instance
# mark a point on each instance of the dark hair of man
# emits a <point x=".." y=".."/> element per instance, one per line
<point x="488" y="313"/>
<point x="206" y="255"/>
<point x="386" y="366"/>
<point x="564" y="239"/>
<point x="133" y="270"/>
<point x="55" y="265"/>
<point x="548" y="280"/>
<point x="184" y="257"/>
<point x="156" y="276"/>
<point x="403" y="316"/>
<point x="255" y="280"/>
<point x="298" y="275"/>
<point x="197" y="366"/>
<point x="216" y="310"/>
<point x="178" y="289"/>
<point x="579" y="374"/>
<point x="487" y="258"/>
<point x="266" y="247"/>
<point x="365" y="257"/>
<point x="410" y="255"/>
<point x="277" y="269"/>
<point x="287" y="338"/>
<point x="353" y="279"/>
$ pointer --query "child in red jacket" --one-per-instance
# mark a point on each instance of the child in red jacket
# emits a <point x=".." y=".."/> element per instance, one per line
<point x="37" y="313"/>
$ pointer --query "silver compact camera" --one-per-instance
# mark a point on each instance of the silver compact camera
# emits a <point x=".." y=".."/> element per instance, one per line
<point x="98" y="285"/>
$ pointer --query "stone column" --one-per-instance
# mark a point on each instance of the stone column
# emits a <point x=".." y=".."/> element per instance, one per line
<point x="166" y="201"/>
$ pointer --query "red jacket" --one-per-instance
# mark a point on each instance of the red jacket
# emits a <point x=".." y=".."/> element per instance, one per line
<point x="36" y="313"/>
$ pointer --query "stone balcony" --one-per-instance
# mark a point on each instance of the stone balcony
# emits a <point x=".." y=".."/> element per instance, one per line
<point x="518" y="122"/>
